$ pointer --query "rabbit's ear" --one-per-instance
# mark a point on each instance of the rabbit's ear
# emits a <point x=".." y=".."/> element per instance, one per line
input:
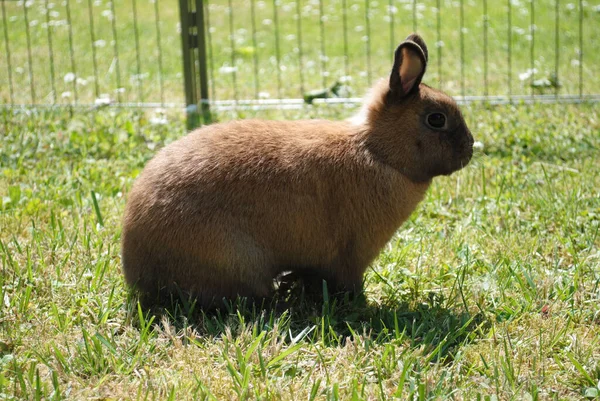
<point x="410" y="62"/>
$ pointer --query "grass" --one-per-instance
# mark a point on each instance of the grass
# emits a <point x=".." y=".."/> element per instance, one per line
<point x="275" y="62"/>
<point x="489" y="291"/>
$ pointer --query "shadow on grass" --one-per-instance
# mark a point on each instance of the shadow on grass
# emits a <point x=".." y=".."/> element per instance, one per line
<point x="328" y="320"/>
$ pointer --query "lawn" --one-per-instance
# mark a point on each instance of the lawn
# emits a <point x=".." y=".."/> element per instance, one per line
<point x="491" y="290"/>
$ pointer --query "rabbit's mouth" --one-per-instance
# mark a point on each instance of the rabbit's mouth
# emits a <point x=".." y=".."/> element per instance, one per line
<point x="463" y="161"/>
<point x="467" y="158"/>
<point x="462" y="156"/>
<point x="465" y="152"/>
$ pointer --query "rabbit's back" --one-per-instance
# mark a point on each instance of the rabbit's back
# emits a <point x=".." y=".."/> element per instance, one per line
<point x="243" y="173"/>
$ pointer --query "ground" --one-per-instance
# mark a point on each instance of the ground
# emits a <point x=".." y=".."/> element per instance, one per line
<point x="491" y="290"/>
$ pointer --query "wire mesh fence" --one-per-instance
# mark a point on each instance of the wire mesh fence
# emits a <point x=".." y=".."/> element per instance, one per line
<point x="278" y="53"/>
<point x="479" y="49"/>
<point x="86" y="52"/>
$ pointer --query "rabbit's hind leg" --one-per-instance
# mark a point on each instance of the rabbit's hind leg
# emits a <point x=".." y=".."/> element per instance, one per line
<point x="246" y="270"/>
<point x="310" y="280"/>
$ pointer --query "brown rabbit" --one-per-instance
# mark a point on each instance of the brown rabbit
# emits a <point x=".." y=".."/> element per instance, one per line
<point x="224" y="210"/>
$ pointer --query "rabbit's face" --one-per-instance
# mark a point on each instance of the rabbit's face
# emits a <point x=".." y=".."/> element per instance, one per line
<point x="416" y="129"/>
<point x="441" y="142"/>
<point x="422" y="135"/>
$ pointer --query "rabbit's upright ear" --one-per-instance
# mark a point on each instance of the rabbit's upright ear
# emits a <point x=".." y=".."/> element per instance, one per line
<point x="410" y="62"/>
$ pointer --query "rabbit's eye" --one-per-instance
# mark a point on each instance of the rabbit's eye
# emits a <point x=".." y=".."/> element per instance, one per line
<point x="436" y="120"/>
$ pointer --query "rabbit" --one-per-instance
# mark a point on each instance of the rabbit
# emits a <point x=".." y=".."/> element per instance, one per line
<point x="224" y="210"/>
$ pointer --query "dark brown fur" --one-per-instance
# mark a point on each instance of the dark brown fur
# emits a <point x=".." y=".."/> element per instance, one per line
<point x="224" y="210"/>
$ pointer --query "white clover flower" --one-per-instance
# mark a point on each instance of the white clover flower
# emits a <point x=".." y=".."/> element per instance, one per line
<point x="518" y="31"/>
<point x="477" y="145"/>
<point x="227" y="69"/>
<point x="158" y="120"/>
<point x="139" y="77"/>
<point x="103" y="99"/>
<point x="527" y="74"/>
<point x="69" y="77"/>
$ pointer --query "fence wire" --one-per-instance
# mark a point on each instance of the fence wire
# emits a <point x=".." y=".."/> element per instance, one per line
<point x="71" y="53"/>
<point x="284" y="54"/>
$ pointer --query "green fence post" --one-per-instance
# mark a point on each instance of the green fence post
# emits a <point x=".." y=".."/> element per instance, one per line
<point x="202" y="62"/>
<point x="193" y="42"/>
<point x="191" y="100"/>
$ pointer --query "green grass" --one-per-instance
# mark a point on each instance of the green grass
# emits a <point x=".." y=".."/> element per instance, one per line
<point x="384" y="29"/>
<point x="490" y="291"/>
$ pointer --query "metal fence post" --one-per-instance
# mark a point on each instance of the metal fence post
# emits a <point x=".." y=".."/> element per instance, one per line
<point x="202" y="62"/>
<point x="194" y="50"/>
<point x="188" y="65"/>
